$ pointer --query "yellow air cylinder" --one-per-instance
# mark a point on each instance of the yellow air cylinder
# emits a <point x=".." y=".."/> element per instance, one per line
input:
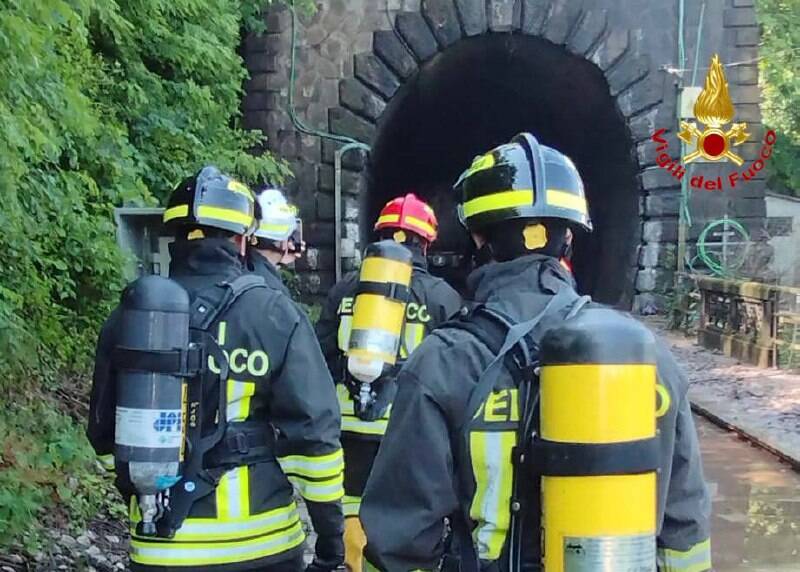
<point x="379" y="310"/>
<point x="598" y="429"/>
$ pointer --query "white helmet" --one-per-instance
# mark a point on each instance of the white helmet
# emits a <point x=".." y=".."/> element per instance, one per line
<point x="277" y="219"/>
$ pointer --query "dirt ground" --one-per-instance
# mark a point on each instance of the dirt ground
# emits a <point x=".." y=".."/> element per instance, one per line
<point x="762" y="403"/>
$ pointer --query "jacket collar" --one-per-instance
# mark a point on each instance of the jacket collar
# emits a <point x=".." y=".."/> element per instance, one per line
<point x="498" y="282"/>
<point x="258" y="264"/>
<point x="419" y="260"/>
<point x="204" y="257"/>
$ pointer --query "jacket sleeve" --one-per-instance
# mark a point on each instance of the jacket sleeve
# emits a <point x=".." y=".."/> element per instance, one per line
<point x="305" y="413"/>
<point x="683" y="543"/>
<point x="102" y="401"/>
<point x="328" y="329"/>
<point x="448" y="300"/>
<point x="411" y="488"/>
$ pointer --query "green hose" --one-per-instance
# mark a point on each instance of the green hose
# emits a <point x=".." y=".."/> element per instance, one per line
<point x="712" y="261"/>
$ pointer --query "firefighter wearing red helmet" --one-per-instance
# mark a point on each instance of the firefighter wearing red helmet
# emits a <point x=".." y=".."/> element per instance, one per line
<point x="412" y="222"/>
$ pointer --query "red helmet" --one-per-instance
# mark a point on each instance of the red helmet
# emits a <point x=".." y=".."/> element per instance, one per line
<point x="411" y="214"/>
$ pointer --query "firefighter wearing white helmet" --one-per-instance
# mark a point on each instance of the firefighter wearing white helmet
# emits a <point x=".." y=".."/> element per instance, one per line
<point x="496" y="422"/>
<point x="278" y="238"/>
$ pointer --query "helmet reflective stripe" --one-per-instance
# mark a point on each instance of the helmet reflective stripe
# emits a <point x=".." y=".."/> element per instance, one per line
<point x="175" y="212"/>
<point x="497" y="201"/>
<point x="566" y="200"/>
<point x="388" y="218"/>
<point x="420" y="224"/>
<point x="278" y="218"/>
<point x="240" y="188"/>
<point x="223" y="214"/>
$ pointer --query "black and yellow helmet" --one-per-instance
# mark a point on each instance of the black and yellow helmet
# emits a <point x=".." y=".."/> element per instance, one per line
<point x="521" y="180"/>
<point x="211" y="199"/>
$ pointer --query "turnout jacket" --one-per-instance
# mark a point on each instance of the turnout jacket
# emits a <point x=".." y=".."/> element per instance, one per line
<point x="432" y="302"/>
<point x="425" y="471"/>
<point x="258" y="264"/>
<point x="277" y="377"/>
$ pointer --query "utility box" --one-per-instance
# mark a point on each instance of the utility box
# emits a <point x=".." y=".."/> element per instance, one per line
<point x="687" y="98"/>
<point x="139" y="234"/>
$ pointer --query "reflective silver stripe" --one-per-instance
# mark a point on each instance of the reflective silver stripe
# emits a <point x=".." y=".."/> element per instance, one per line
<point x="322" y="466"/>
<point x="238" y="399"/>
<point x="414" y="334"/>
<point x="326" y="491"/>
<point x="696" y="559"/>
<point x="353" y="424"/>
<point x="233" y="494"/>
<point x="346" y="404"/>
<point x="343" y="335"/>
<point x="215" y="530"/>
<point x="197" y="554"/>
<point x="351" y="505"/>
<point x="491" y="465"/>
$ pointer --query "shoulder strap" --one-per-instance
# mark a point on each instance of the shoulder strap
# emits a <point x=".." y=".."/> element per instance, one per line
<point x="211" y="302"/>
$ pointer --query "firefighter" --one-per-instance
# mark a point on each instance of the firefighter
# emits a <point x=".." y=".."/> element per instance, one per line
<point x="282" y="421"/>
<point x="411" y="222"/>
<point x="278" y="240"/>
<point x="440" y="458"/>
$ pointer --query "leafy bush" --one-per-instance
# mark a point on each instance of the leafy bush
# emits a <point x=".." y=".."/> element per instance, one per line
<point x="780" y="42"/>
<point x="101" y="102"/>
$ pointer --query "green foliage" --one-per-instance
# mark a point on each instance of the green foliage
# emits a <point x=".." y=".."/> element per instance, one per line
<point x="780" y="47"/>
<point x="292" y="282"/>
<point x="44" y="460"/>
<point x="101" y="102"/>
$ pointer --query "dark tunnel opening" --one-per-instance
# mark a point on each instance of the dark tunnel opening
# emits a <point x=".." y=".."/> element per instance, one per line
<point x="478" y="94"/>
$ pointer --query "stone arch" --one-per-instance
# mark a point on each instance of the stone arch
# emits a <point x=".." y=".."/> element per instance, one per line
<point x="422" y="38"/>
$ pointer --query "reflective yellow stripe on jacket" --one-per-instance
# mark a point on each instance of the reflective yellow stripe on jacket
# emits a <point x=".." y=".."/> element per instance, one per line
<point x="491" y="465"/>
<point x="696" y="559"/>
<point x="198" y="554"/>
<point x="351" y="505"/>
<point x="351" y="423"/>
<point x="317" y="478"/>
<point x="413" y="335"/>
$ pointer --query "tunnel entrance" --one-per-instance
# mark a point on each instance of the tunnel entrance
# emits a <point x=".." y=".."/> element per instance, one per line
<point x="478" y="94"/>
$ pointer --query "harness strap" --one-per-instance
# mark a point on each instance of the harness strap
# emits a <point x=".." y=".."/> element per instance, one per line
<point x="391" y="290"/>
<point x="592" y="460"/>
<point x="182" y="362"/>
<point x="244" y="443"/>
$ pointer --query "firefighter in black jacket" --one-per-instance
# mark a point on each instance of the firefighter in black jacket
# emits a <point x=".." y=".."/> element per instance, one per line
<point x="412" y="222"/>
<point x="522" y="202"/>
<point x="278" y="240"/>
<point x="283" y="422"/>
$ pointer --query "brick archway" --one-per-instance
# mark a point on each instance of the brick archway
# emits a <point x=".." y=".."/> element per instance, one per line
<point x="421" y="39"/>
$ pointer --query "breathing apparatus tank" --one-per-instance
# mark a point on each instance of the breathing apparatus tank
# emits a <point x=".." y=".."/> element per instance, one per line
<point x="378" y="314"/>
<point x="598" y="444"/>
<point x="152" y="361"/>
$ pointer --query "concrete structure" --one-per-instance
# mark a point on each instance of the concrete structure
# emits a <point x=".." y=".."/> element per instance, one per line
<point x="784" y="229"/>
<point x="429" y="84"/>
